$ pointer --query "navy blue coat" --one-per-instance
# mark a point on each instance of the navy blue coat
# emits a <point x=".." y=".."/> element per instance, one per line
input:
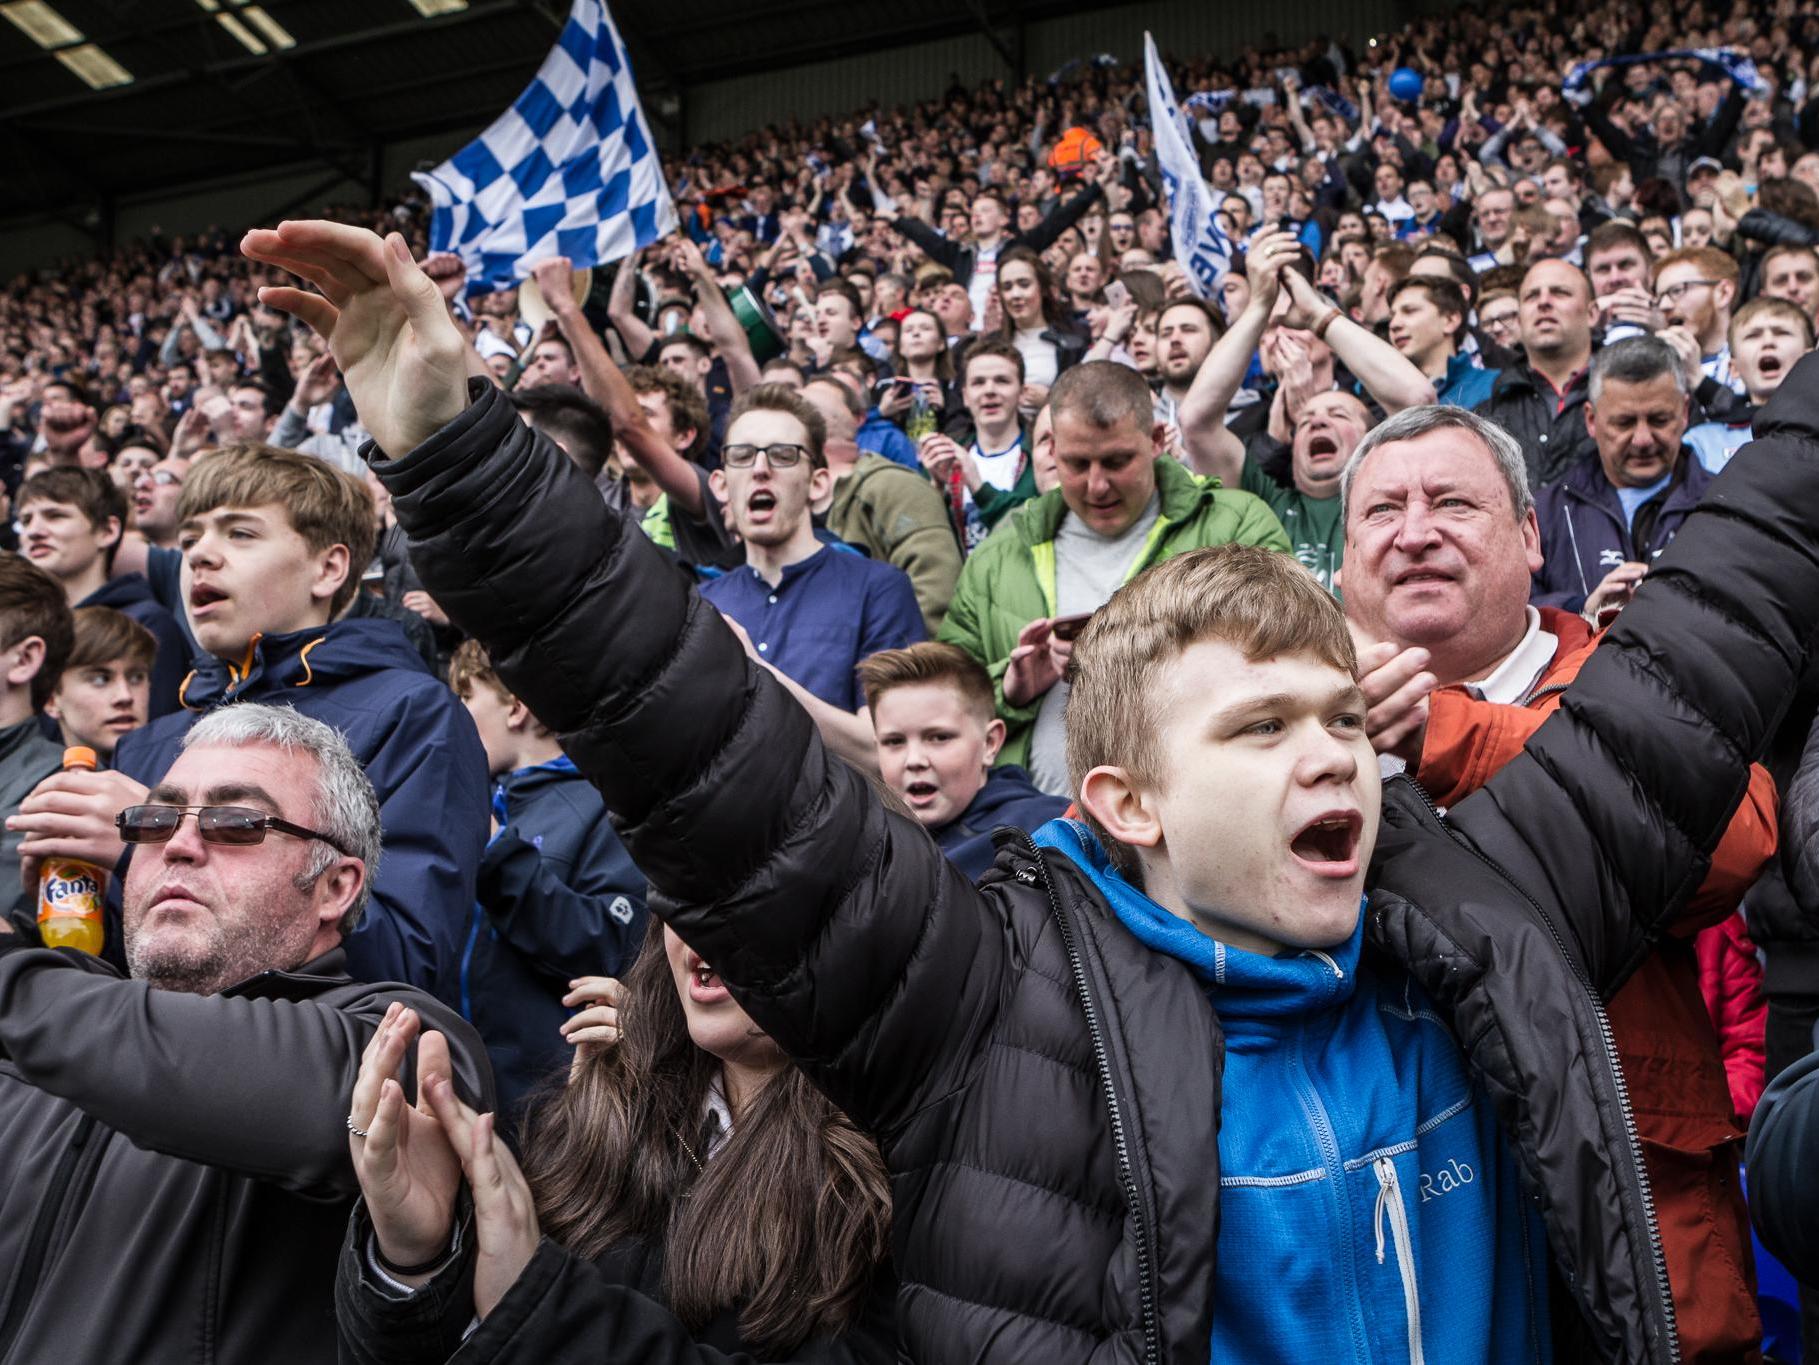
<point x="558" y="898"/>
<point x="1007" y="798"/>
<point x="421" y="751"/>
<point x="1583" y="535"/>
<point x="131" y="595"/>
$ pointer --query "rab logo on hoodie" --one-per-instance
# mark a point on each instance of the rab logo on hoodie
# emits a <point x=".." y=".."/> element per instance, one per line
<point x="1448" y="1178"/>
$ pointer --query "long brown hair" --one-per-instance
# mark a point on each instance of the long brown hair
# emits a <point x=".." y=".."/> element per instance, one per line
<point x="789" y="1222"/>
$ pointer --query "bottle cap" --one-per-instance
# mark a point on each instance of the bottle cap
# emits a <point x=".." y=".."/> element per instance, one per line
<point x="79" y="756"/>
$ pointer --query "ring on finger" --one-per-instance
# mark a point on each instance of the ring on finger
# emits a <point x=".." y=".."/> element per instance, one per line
<point x="357" y="1132"/>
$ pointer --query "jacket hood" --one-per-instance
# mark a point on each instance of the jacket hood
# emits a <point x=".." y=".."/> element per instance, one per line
<point x="127" y="590"/>
<point x="1241" y="984"/>
<point x="333" y="653"/>
<point x="1005" y="786"/>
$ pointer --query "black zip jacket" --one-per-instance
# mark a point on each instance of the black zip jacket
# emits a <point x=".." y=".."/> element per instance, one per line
<point x="1045" y="1090"/>
<point x="564" y="1310"/>
<point x="176" y="1178"/>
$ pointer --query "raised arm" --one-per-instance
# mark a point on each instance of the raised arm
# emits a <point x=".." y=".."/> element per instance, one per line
<point x="1212" y="449"/>
<point x="606" y="384"/>
<point x="776" y="862"/>
<point x="621" y="309"/>
<point x="723" y="329"/>
<point x="1612" y="813"/>
<point x="1387" y="375"/>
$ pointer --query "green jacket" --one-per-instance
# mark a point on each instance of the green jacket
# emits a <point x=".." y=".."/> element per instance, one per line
<point x="896" y="515"/>
<point x="1010" y="580"/>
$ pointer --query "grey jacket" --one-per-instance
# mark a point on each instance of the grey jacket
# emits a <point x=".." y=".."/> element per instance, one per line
<point x="27" y="757"/>
<point x="174" y="1171"/>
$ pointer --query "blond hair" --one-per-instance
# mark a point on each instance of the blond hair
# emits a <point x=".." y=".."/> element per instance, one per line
<point x="1261" y="602"/>
<point x="325" y="506"/>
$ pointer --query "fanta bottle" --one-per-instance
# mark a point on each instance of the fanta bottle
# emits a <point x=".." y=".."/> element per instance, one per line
<point x="72" y="893"/>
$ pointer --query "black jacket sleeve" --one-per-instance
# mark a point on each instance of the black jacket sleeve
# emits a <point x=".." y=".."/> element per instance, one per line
<point x="1609" y="816"/>
<point x="1762" y="226"/>
<point x="936" y="247"/>
<point x="254" y="1085"/>
<point x="1060" y="219"/>
<point x="841" y="929"/>
<point x="564" y="1311"/>
<point x="1782" y="1155"/>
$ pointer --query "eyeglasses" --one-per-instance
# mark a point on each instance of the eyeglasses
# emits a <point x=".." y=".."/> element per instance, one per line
<point x="236" y="825"/>
<point x="162" y="477"/>
<point x="782" y="456"/>
<point x="1673" y="293"/>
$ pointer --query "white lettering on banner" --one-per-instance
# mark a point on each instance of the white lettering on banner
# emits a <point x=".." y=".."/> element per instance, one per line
<point x="1202" y="250"/>
<point x="1445" y="1180"/>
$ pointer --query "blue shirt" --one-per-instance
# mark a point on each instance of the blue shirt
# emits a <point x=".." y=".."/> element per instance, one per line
<point x="882" y="437"/>
<point x="826" y="613"/>
<point x="1633" y="498"/>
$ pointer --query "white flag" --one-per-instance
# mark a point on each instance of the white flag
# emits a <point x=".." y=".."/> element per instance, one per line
<point x="1204" y="252"/>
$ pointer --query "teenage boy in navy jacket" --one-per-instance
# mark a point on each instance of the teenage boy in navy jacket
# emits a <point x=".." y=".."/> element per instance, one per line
<point x="273" y="543"/>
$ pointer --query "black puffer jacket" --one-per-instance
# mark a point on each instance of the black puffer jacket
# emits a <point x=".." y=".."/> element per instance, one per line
<point x="174" y="1169"/>
<point x="1046" y="1090"/>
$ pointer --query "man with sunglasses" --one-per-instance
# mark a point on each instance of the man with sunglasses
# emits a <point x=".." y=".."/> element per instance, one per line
<point x="808" y="609"/>
<point x="162" y="1129"/>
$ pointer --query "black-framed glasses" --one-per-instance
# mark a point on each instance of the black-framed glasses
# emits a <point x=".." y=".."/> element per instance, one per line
<point x="235" y="825"/>
<point x="1673" y="293"/>
<point x="780" y="456"/>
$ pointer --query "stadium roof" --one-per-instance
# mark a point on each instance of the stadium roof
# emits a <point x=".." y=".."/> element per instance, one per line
<point x="117" y="98"/>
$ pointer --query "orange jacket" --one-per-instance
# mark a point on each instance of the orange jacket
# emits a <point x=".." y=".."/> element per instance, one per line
<point x="1691" y="1137"/>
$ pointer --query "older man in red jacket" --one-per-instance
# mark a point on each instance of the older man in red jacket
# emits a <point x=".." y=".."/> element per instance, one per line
<point x="1440" y="543"/>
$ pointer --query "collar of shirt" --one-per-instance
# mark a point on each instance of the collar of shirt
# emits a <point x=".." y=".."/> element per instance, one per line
<point x="1514" y="678"/>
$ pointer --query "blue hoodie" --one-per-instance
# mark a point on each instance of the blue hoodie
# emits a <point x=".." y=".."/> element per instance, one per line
<point x="558" y="897"/>
<point x="418" y="746"/>
<point x="1007" y="798"/>
<point x="1367" y="1200"/>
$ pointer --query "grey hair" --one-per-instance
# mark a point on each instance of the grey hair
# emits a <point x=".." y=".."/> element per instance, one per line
<point x="1418" y="421"/>
<point x="346" y="807"/>
<point x="1635" y="360"/>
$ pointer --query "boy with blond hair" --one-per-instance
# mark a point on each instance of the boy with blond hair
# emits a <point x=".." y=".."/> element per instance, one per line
<point x="273" y="543"/>
<point x="938" y="735"/>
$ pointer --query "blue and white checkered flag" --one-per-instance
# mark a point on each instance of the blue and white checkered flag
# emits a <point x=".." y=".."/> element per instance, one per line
<point x="569" y="170"/>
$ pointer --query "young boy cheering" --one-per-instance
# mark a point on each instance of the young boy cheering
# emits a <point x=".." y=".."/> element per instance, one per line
<point x="1143" y="1092"/>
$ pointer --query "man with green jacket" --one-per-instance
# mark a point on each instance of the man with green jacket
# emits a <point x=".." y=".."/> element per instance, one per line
<point x="1121" y="507"/>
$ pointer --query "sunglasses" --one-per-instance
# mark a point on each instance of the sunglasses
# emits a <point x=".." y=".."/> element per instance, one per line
<point x="235" y="825"/>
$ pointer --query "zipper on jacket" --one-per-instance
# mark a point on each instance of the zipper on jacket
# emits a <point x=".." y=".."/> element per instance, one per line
<point x="1389" y="1200"/>
<point x="1624" y="1106"/>
<point x="1146" y="1289"/>
<point x="44" y="1225"/>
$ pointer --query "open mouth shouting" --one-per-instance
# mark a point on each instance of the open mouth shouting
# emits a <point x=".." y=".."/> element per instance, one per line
<point x="1327" y="845"/>
<point x="761" y="505"/>
<point x="203" y="597"/>
<point x="921" y="793"/>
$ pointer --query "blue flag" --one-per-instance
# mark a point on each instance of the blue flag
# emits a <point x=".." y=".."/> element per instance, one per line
<point x="569" y="170"/>
<point x="1204" y="252"/>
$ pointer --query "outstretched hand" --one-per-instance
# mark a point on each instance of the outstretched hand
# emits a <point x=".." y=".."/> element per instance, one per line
<point x="385" y="322"/>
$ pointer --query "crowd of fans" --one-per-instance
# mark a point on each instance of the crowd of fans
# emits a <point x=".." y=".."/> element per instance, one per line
<point x="919" y="402"/>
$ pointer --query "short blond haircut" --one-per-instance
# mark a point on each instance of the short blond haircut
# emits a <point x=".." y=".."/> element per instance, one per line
<point x="325" y="506"/>
<point x="1261" y="602"/>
